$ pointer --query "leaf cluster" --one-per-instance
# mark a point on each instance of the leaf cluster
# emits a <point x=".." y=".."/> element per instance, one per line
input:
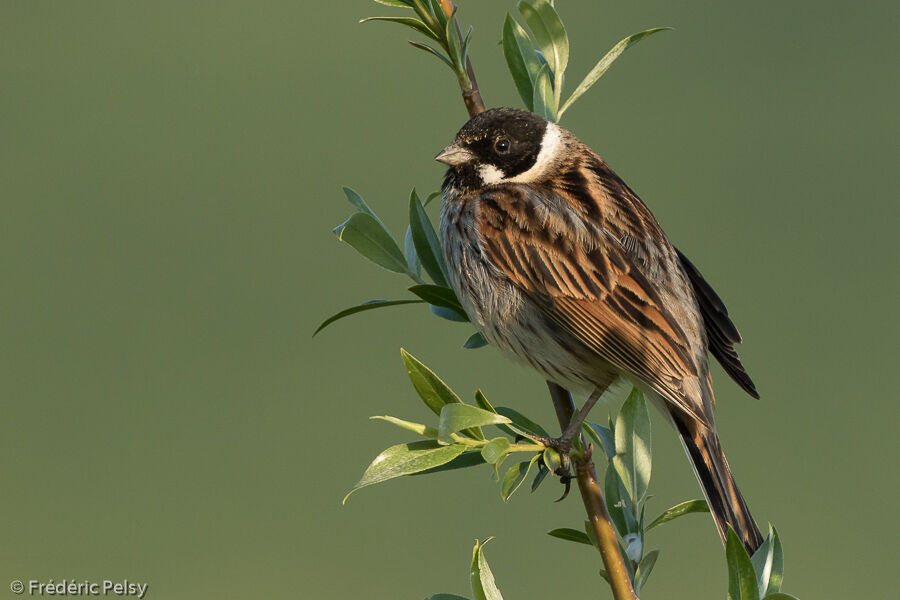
<point x="438" y="28"/>
<point x="537" y="56"/>
<point x="421" y="256"/>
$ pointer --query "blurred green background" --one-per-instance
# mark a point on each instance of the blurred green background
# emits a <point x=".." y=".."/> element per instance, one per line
<point x="169" y="176"/>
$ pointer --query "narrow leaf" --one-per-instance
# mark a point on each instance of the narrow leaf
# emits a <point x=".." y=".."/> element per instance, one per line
<point x="741" y="577"/>
<point x="476" y="340"/>
<point x="433" y="391"/>
<point x="449" y="314"/>
<point x="780" y="596"/>
<point x="483" y="585"/>
<point x="438" y="295"/>
<point x="454" y="45"/>
<point x="458" y="417"/>
<point x="549" y="33"/>
<point x="397" y="3"/>
<point x="515" y="476"/>
<point x="412" y="259"/>
<point x="539" y="478"/>
<point x="426" y="241"/>
<point x="601" y="67"/>
<point x="633" y="446"/>
<point x="406" y="459"/>
<point x="445" y="596"/>
<point x="410" y="22"/>
<point x="544" y="103"/>
<point x="521" y="59"/>
<point x="356" y="200"/>
<point x="644" y="568"/>
<point x="571" y="535"/>
<point x="768" y="562"/>
<point x="463" y="461"/>
<point x="369" y="237"/>
<point x="618" y="504"/>
<point x="419" y="428"/>
<point x="370" y="305"/>
<point x="433" y="51"/>
<point x="602" y="436"/>
<point x="522" y="422"/>
<point x="684" y="508"/>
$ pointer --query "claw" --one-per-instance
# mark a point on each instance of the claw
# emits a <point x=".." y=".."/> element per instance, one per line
<point x="566" y="480"/>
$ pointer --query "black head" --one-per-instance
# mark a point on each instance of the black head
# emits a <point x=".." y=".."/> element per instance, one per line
<point x="498" y="145"/>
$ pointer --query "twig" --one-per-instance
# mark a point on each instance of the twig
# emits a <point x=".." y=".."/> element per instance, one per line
<point x="592" y="498"/>
<point x="471" y="94"/>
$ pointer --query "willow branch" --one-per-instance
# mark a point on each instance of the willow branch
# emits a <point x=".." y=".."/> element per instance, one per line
<point x="594" y="504"/>
<point x="470" y="92"/>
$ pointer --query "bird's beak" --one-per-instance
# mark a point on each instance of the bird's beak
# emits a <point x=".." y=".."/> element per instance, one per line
<point x="454" y="155"/>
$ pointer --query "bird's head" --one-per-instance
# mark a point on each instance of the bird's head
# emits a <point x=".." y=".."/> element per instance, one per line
<point x="502" y="145"/>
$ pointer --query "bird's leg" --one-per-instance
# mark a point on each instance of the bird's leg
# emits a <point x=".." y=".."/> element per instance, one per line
<point x="563" y="444"/>
<point x="577" y="420"/>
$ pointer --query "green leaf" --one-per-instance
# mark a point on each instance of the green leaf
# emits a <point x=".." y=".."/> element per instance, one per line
<point x="741" y="577"/>
<point x="410" y="22"/>
<point x="571" y="535"/>
<point x="454" y="45"/>
<point x="412" y="259"/>
<point x="369" y="237"/>
<point x="419" y="428"/>
<point x="463" y="461"/>
<point x="433" y="391"/>
<point x="434" y="51"/>
<point x="483" y="585"/>
<point x="438" y="295"/>
<point x="618" y="504"/>
<point x="438" y="13"/>
<point x="397" y="3"/>
<point x="426" y="241"/>
<point x="370" y="305"/>
<point x="495" y="450"/>
<point x="539" y="477"/>
<point x="521" y="59"/>
<point x="544" y="104"/>
<point x="768" y="563"/>
<point x="406" y="459"/>
<point x="476" y="340"/>
<point x="552" y="460"/>
<point x="522" y="422"/>
<point x="633" y="446"/>
<point x="515" y="476"/>
<point x="459" y="417"/>
<point x="644" y="568"/>
<point x="446" y="596"/>
<point x="356" y="200"/>
<point x="780" y="596"/>
<point x="684" y="508"/>
<point x="446" y="313"/>
<point x="549" y="33"/>
<point x="602" y="436"/>
<point x="482" y="401"/>
<point x="600" y="68"/>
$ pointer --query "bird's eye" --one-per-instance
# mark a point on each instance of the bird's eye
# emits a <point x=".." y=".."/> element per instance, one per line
<point x="501" y="146"/>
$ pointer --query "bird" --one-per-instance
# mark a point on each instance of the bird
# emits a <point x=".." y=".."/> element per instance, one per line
<point x="563" y="268"/>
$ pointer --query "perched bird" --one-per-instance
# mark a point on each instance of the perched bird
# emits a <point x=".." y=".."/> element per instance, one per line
<point x="562" y="267"/>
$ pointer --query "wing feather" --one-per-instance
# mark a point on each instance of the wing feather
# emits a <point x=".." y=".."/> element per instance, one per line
<point x="596" y="293"/>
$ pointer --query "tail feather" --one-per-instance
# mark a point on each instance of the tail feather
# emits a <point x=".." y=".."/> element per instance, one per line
<point x="726" y="503"/>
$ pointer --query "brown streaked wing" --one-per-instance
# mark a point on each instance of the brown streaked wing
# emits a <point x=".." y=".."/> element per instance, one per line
<point x="595" y="292"/>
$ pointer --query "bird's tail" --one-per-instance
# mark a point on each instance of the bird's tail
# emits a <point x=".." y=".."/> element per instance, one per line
<point x="726" y="504"/>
